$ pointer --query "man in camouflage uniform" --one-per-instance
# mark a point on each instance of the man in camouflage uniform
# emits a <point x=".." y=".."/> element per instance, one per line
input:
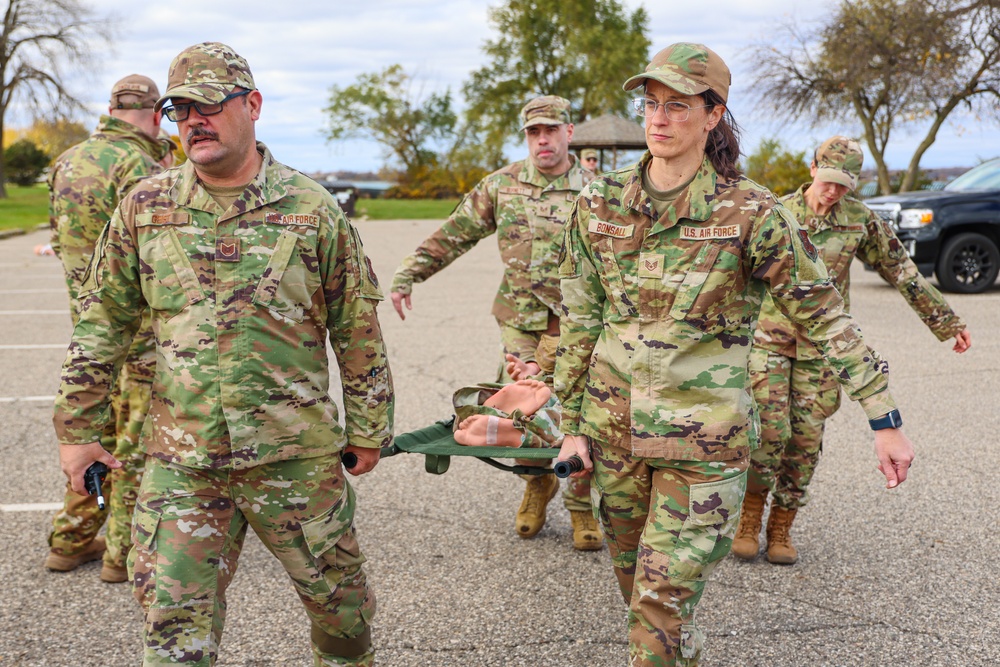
<point x="86" y="184"/>
<point x="794" y="386"/>
<point x="588" y="158"/>
<point x="247" y="267"/>
<point x="665" y="266"/>
<point x="526" y="205"/>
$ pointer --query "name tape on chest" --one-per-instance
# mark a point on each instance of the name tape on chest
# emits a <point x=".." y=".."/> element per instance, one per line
<point x="610" y="229"/>
<point x="292" y="219"/>
<point x="515" y="190"/>
<point x="703" y="233"/>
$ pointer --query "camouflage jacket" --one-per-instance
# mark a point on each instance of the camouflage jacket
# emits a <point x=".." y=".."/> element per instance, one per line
<point x="241" y="301"/>
<point x="659" y="314"/>
<point x="528" y="215"/>
<point x="852" y="230"/>
<point x="85" y="185"/>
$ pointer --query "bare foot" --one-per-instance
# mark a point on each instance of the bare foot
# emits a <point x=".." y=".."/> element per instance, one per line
<point x="524" y="395"/>
<point x="487" y="431"/>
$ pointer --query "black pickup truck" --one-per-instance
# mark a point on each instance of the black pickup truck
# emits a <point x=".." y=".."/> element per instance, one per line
<point x="953" y="233"/>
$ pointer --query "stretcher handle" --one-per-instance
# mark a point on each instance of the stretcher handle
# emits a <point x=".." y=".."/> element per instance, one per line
<point x="568" y="467"/>
<point x="349" y="459"/>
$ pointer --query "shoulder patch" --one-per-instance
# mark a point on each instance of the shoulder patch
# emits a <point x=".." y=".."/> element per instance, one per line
<point x="807" y="245"/>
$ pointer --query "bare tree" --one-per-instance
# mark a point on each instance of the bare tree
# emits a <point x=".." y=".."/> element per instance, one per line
<point x="887" y="65"/>
<point x="41" y="43"/>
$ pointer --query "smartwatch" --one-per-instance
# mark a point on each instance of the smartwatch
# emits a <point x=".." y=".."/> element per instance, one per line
<point x="890" y="420"/>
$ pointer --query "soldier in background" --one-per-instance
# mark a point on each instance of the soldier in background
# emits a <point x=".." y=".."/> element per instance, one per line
<point x="793" y="385"/>
<point x="526" y="205"/>
<point x="86" y="183"/>
<point x="588" y="158"/>
<point x="247" y="266"/>
<point x="663" y="267"/>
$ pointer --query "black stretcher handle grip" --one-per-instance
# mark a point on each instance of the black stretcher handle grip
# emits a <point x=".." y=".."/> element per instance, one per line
<point x="93" y="478"/>
<point x="349" y="459"/>
<point x="568" y="467"/>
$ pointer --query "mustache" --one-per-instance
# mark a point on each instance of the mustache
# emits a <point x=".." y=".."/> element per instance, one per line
<point x="201" y="132"/>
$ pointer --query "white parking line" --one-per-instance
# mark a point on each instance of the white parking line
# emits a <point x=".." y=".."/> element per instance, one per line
<point x="27" y="399"/>
<point x="48" y="346"/>
<point x="31" y="507"/>
<point x="35" y="312"/>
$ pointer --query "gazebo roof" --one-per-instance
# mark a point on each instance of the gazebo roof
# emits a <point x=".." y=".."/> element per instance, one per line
<point x="609" y="132"/>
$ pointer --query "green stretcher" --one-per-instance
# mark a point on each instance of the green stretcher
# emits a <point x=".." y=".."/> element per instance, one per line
<point x="437" y="445"/>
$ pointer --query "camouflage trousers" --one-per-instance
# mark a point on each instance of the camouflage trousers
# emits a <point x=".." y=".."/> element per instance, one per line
<point x="540" y="347"/>
<point x="794" y="397"/>
<point x="77" y="524"/>
<point x="188" y="533"/>
<point x="667" y="524"/>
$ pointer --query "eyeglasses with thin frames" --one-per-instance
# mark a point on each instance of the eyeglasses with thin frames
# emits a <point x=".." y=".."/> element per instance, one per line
<point x="678" y="112"/>
<point x="179" y="112"/>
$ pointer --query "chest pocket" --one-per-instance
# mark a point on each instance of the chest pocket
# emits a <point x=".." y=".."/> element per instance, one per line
<point x="169" y="281"/>
<point x="838" y="249"/>
<point x="611" y="277"/>
<point x="694" y="280"/>
<point x="290" y="279"/>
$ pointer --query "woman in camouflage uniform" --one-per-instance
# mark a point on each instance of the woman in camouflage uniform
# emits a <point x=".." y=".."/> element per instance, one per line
<point x="663" y="271"/>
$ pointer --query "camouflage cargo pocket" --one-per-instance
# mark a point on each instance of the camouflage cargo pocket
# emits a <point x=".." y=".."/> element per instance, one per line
<point x="171" y="284"/>
<point x="707" y="533"/>
<point x="331" y="538"/>
<point x="142" y="556"/>
<point x="287" y="286"/>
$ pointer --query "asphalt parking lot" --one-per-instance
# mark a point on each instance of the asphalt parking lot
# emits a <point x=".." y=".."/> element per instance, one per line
<point x="903" y="577"/>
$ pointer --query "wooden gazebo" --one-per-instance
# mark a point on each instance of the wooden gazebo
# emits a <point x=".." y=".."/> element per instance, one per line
<point x="609" y="133"/>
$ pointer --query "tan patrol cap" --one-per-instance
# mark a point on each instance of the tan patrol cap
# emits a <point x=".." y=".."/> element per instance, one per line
<point x="206" y="72"/>
<point x="688" y="68"/>
<point x="545" y="110"/>
<point x="588" y="153"/>
<point x="838" y="160"/>
<point x="134" y="92"/>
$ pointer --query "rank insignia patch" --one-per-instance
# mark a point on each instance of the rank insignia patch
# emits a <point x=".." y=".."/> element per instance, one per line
<point x="228" y="250"/>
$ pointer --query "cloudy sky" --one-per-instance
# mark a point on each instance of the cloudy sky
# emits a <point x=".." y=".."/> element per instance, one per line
<point x="297" y="49"/>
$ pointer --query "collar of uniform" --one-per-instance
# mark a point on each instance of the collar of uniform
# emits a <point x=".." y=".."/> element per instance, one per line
<point x="267" y="186"/>
<point x="571" y="180"/>
<point x="109" y="127"/>
<point x="693" y="203"/>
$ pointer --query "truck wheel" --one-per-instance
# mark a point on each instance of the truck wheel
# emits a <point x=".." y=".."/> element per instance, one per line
<point x="968" y="264"/>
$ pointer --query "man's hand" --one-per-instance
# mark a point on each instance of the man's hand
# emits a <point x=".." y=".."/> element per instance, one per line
<point x="578" y="445"/>
<point x="398" y="299"/>
<point x="963" y="341"/>
<point x="895" y="453"/>
<point x="367" y="459"/>
<point x="75" y="459"/>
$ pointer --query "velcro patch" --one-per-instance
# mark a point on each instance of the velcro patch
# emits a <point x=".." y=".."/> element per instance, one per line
<point x="171" y="218"/>
<point x="650" y="265"/>
<point x="292" y="219"/>
<point x="515" y="190"/>
<point x="610" y="229"/>
<point x="228" y="250"/>
<point x="716" y="232"/>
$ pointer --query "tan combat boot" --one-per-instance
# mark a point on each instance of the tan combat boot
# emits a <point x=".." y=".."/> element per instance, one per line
<point x="113" y="574"/>
<point x="537" y="494"/>
<point x="59" y="563"/>
<point x="746" y="544"/>
<point x="779" y="539"/>
<point x="586" y="535"/>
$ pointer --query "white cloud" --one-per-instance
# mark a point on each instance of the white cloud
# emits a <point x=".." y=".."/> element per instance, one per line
<point x="297" y="50"/>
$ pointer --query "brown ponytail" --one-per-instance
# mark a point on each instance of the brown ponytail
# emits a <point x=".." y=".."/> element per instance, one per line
<point x="723" y="147"/>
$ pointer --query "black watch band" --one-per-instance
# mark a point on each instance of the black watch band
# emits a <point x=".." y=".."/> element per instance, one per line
<point x="890" y="420"/>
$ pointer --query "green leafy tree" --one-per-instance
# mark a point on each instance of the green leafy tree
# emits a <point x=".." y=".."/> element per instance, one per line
<point x="778" y="169"/>
<point x="42" y="41"/>
<point x="582" y="50"/>
<point x="890" y="66"/>
<point x="431" y="154"/>
<point x="25" y="162"/>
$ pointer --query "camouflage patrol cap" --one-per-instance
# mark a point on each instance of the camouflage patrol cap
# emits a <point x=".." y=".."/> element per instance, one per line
<point x="206" y="72"/>
<point x="588" y="153"/>
<point x="838" y="160"/>
<point x="690" y="69"/>
<point x="134" y="92"/>
<point x="545" y="110"/>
